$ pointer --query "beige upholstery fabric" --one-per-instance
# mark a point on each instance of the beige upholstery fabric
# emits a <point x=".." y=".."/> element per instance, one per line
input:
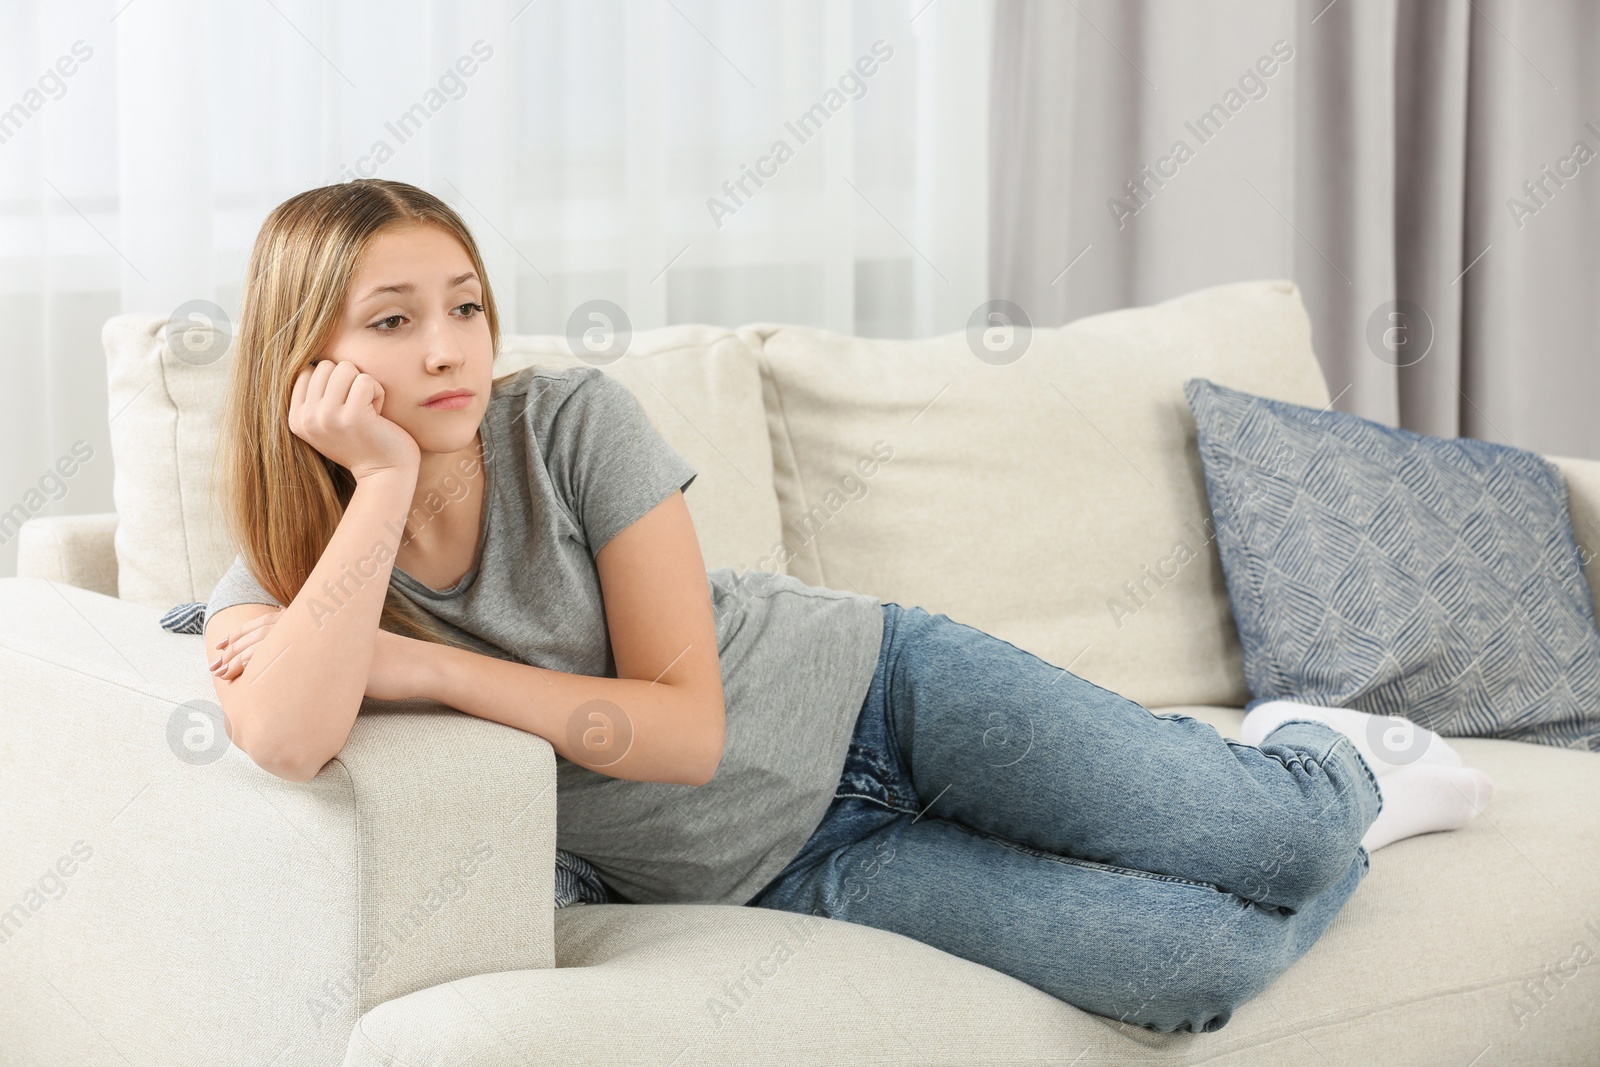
<point x="698" y="384"/>
<point x="1022" y="498"/>
<point x="222" y="914"/>
<point x="1583" y="501"/>
<point x="163" y="413"/>
<point x="79" y="550"/>
<point x="1426" y="964"/>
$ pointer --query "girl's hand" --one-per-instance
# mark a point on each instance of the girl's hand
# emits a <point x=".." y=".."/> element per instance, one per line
<point x="338" y="410"/>
<point x="238" y="647"/>
<point x="401" y="666"/>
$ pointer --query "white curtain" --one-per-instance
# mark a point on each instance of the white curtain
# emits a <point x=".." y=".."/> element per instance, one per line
<point x="586" y="143"/>
<point x="1428" y="171"/>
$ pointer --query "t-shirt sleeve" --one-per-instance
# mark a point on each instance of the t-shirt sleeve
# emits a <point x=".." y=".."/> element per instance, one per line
<point x="608" y="461"/>
<point x="237" y="586"/>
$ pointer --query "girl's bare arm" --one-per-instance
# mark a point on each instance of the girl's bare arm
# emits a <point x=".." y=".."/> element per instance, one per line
<point x="297" y="697"/>
<point x="292" y="707"/>
<point x="663" y="717"/>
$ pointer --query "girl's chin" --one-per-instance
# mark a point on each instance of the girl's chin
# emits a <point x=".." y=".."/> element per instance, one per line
<point x="431" y="439"/>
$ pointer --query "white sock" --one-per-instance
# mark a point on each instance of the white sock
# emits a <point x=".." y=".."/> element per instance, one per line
<point x="1424" y="798"/>
<point x="1386" y="742"/>
<point x="1425" y="788"/>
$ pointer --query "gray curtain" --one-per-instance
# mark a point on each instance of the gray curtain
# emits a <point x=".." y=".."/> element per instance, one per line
<point x="1428" y="172"/>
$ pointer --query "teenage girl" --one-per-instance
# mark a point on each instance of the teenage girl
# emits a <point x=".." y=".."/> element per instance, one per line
<point x="519" y="548"/>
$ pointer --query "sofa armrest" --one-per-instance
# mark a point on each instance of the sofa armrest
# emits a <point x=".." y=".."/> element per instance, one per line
<point x="77" y="550"/>
<point x="205" y="911"/>
<point x="1583" y="503"/>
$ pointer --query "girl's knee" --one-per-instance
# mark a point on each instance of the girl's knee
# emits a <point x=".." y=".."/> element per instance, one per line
<point x="1200" y="1001"/>
<point x="1296" y="861"/>
<point x="1202" y="974"/>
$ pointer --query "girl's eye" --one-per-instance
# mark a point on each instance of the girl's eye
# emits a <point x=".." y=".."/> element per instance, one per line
<point x="379" y="325"/>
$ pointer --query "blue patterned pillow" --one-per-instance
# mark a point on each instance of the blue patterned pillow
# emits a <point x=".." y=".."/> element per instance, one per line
<point x="576" y="880"/>
<point x="1375" y="568"/>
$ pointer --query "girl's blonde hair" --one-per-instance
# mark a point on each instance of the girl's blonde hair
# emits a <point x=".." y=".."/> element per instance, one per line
<point x="280" y="499"/>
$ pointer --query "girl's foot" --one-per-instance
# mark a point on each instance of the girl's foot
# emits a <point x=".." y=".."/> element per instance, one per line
<point x="1424" y="798"/>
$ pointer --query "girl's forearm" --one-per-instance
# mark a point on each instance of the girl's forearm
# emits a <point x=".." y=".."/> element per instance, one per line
<point x="621" y="727"/>
<point x="309" y="674"/>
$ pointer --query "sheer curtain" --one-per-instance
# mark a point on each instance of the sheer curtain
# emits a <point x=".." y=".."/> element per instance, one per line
<point x="1428" y="171"/>
<point x="691" y="160"/>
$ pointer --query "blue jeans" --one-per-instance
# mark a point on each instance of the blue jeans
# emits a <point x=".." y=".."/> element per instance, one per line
<point x="1133" y="864"/>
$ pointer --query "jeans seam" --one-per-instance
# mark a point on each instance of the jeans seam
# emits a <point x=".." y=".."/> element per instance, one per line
<point x="1079" y="861"/>
<point x="870" y="799"/>
<point x="891" y="661"/>
<point x="1362" y="760"/>
<point x="891" y="769"/>
<point x="1367" y="769"/>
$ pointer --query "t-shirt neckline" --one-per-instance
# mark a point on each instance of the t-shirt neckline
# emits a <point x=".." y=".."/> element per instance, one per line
<point x="467" y="579"/>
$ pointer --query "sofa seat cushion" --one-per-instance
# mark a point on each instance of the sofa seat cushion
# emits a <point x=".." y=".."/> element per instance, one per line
<point x="1431" y="961"/>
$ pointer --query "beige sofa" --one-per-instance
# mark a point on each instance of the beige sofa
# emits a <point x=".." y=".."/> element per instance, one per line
<point x="397" y="909"/>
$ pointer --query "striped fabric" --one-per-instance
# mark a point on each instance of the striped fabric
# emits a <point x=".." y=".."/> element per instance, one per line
<point x="186" y="619"/>
<point x="576" y="880"/>
<point x="1375" y="568"/>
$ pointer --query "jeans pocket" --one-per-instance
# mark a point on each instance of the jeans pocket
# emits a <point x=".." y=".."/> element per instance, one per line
<point x="866" y="776"/>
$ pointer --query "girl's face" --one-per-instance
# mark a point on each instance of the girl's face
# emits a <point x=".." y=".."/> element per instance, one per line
<point x="413" y="320"/>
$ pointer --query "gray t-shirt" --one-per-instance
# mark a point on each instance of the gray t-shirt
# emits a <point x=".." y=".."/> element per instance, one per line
<point x="572" y="460"/>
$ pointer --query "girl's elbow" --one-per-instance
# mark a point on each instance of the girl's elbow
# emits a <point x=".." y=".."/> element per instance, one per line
<point x="719" y="737"/>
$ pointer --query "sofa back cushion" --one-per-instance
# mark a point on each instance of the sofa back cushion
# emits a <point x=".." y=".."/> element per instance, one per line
<point x="699" y="385"/>
<point x="164" y="411"/>
<point x="1057" y="501"/>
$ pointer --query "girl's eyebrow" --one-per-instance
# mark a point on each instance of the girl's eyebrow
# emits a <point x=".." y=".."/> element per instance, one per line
<point x="408" y="287"/>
